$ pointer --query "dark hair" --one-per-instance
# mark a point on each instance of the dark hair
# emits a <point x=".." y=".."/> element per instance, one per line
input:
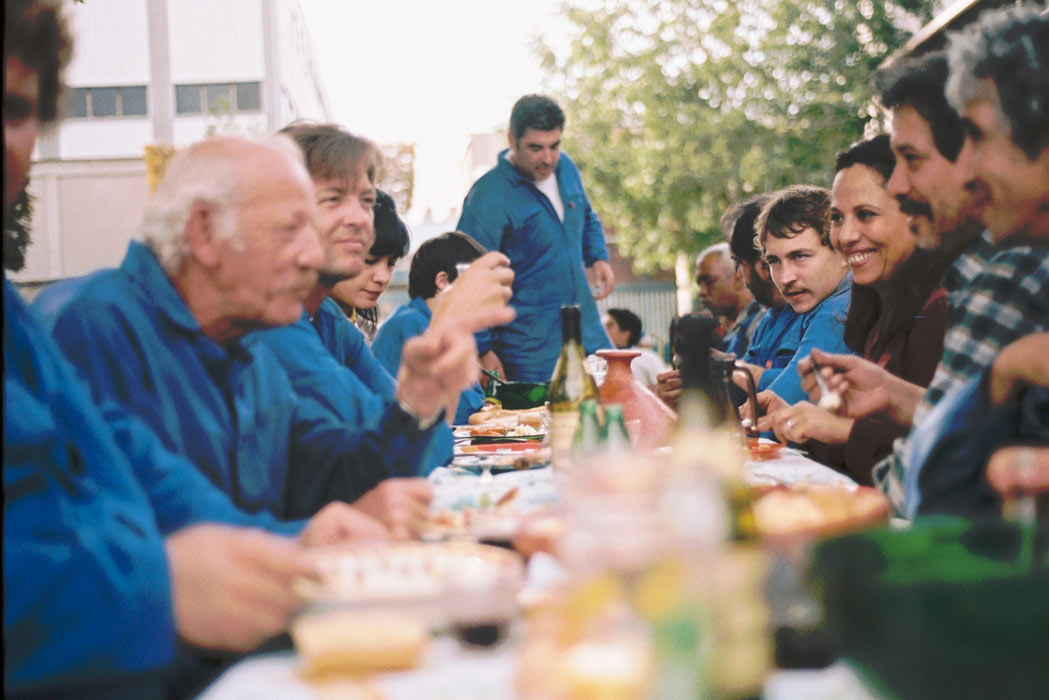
<point x="535" y="112"/>
<point x="1010" y="46"/>
<point x="875" y="153"/>
<point x="893" y="310"/>
<point x="920" y="83"/>
<point x="332" y="152"/>
<point x="391" y="234"/>
<point x="35" y="31"/>
<point x="629" y="322"/>
<point x="738" y="222"/>
<point x="438" y="255"/>
<point x="792" y="210"/>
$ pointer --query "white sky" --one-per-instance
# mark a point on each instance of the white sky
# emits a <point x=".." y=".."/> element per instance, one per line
<point x="430" y="72"/>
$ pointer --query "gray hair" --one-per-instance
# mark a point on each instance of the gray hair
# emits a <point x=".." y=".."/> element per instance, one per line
<point x="209" y="173"/>
<point x="1010" y="47"/>
<point x="722" y="251"/>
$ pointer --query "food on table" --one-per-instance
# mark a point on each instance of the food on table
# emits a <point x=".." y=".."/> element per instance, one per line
<point x="817" y="509"/>
<point x="541" y="531"/>
<point x="493" y="415"/>
<point x="761" y="450"/>
<point x="358" y="641"/>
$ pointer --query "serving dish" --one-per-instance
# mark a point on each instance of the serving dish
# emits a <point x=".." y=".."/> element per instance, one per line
<point x="421" y="578"/>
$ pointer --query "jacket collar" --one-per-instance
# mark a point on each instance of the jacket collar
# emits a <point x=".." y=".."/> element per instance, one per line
<point x="143" y="268"/>
<point x="514" y="176"/>
<point x="420" y="305"/>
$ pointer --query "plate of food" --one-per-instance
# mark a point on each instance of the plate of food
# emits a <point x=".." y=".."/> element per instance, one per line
<point x="818" y="510"/>
<point x="499" y="458"/>
<point x="411" y="577"/>
<point x="761" y="449"/>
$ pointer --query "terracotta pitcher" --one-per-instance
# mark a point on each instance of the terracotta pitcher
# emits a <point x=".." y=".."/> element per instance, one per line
<point x="640" y="404"/>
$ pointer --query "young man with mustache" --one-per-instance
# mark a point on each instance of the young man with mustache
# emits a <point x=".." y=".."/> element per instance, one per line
<point x="793" y="233"/>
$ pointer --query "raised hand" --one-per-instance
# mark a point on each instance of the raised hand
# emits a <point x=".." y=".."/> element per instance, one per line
<point x="668" y="387"/>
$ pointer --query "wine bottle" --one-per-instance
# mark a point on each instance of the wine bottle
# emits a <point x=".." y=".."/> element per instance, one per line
<point x="569" y="385"/>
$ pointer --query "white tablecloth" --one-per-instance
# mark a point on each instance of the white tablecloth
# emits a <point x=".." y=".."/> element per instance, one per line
<point x="450" y="673"/>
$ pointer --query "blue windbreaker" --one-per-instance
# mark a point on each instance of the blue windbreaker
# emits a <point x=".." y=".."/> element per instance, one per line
<point x="784" y="338"/>
<point x="232" y="413"/>
<point x="328" y="362"/>
<point x="87" y="598"/>
<point x="505" y="211"/>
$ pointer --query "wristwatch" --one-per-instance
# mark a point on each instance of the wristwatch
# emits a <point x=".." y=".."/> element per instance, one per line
<point x="420" y="422"/>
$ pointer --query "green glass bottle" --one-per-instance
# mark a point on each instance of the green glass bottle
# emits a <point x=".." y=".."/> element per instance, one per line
<point x="588" y="435"/>
<point x="617" y="439"/>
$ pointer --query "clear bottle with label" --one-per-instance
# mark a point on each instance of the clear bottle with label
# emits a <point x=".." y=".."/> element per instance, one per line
<point x="569" y="385"/>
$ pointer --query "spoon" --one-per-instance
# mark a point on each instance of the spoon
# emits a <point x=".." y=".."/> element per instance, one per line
<point x="829" y="400"/>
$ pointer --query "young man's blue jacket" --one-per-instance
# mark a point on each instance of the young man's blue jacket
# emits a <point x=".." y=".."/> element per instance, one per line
<point x="231" y="412"/>
<point x="406" y="322"/>
<point x="328" y="361"/>
<point x="505" y="211"/>
<point x="785" y="337"/>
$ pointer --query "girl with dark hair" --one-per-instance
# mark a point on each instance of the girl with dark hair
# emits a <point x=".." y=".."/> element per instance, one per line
<point x="897" y="317"/>
<point x="359" y="297"/>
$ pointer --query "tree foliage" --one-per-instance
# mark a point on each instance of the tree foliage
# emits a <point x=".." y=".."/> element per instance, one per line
<point x="398" y="179"/>
<point x="17" y="230"/>
<point x="678" y="108"/>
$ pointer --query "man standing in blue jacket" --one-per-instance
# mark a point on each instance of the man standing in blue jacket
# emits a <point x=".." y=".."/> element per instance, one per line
<point x="532" y="207"/>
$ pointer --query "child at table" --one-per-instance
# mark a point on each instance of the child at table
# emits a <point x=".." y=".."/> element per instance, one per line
<point x="433" y="270"/>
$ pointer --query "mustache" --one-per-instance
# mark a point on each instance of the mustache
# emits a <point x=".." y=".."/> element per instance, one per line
<point x="913" y="207"/>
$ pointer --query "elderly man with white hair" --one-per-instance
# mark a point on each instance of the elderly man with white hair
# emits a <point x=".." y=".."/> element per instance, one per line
<point x="230" y="246"/>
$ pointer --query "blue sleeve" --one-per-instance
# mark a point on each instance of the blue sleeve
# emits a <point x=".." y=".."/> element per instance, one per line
<point x="483" y="218"/>
<point x="825" y="330"/>
<point x="84" y="563"/>
<point x="179" y="494"/>
<point x="330" y="463"/>
<point x="370" y="371"/>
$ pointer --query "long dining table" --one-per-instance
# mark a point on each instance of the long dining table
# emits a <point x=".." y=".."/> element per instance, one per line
<point x="450" y="671"/>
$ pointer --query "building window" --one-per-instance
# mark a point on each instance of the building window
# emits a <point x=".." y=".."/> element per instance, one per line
<point x="107" y="102"/>
<point x="218" y="97"/>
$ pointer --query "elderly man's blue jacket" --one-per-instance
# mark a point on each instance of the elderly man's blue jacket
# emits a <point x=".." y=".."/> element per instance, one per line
<point x="328" y="361"/>
<point x="505" y="211"/>
<point x="784" y="338"/>
<point x="230" y="411"/>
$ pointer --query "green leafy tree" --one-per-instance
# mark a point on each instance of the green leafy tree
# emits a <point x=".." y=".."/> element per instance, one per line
<point x="398" y="179"/>
<point x="678" y="108"/>
<point x="17" y="231"/>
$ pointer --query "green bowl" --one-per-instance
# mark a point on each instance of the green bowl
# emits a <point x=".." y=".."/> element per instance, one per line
<point x="522" y="394"/>
<point x="945" y="610"/>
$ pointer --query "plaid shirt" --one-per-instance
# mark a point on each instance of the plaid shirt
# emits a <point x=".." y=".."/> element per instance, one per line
<point x="1008" y="299"/>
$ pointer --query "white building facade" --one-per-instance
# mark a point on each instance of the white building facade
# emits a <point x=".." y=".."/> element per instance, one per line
<point x="156" y="72"/>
